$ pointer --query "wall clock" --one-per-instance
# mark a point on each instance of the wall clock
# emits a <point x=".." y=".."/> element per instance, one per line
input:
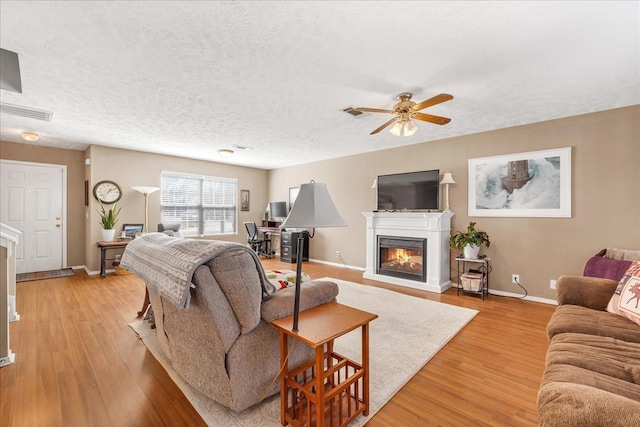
<point x="107" y="192"/>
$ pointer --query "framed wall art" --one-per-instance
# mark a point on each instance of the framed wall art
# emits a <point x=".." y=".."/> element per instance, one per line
<point x="244" y="200"/>
<point x="532" y="184"/>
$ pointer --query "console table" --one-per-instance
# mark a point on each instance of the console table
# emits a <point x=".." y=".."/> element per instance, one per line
<point x="104" y="247"/>
<point x="331" y="389"/>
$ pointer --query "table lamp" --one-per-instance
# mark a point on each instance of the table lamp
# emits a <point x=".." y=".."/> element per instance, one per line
<point x="146" y="191"/>
<point x="313" y="209"/>
<point x="446" y="180"/>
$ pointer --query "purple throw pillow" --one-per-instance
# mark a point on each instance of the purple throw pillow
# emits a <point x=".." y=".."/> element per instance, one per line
<point x="606" y="268"/>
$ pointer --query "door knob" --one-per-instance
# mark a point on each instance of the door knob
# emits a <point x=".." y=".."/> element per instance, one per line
<point x="57" y="225"/>
<point x="57" y="218"/>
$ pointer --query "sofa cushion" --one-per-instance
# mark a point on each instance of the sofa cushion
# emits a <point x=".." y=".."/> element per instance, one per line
<point x="568" y="404"/>
<point x="312" y="294"/>
<point x="626" y="298"/>
<point x="606" y="268"/>
<point x="237" y="275"/>
<point x="210" y="295"/>
<point x="626" y="254"/>
<point x="603" y="355"/>
<point x="576" y="375"/>
<point x="578" y="319"/>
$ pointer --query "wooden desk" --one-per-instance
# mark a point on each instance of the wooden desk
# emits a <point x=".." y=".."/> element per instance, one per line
<point x="319" y="394"/>
<point x="269" y="230"/>
<point x="104" y="247"/>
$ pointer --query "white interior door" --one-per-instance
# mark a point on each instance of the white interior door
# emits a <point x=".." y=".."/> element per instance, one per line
<point x="32" y="201"/>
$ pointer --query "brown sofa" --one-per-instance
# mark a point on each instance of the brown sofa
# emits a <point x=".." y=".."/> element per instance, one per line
<point x="221" y="343"/>
<point x="592" y="372"/>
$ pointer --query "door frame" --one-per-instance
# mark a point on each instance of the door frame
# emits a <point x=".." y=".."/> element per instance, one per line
<point x="64" y="199"/>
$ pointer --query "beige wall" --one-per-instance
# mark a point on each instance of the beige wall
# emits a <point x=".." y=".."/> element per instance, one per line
<point x="74" y="160"/>
<point x="605" y="195"/>
<point x="605" y="201"/>
<point x="130" y="168"/>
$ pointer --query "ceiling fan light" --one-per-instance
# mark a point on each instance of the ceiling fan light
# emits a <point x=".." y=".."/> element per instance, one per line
<point x="410" y="128"/>
<point x="397" y="129"/>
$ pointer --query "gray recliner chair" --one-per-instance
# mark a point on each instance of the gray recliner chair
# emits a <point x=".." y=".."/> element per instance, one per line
<point x="171" y="229"/>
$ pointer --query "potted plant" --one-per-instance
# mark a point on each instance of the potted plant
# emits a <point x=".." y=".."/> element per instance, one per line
<point x="470" y="241"/>
<point x="108" y="220"/>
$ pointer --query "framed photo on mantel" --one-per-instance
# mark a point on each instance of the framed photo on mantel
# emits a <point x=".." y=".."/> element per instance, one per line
<point x="533" y="184"/>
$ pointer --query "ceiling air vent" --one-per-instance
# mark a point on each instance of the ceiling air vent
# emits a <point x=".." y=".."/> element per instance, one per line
<point x="352" y="111"/>
<point x="29" y="113"/>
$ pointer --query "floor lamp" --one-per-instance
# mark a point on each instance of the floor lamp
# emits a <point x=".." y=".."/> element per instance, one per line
<point x="146" y="191"/>
<point x="313" y="209"/>
<point x="446" y="180"/>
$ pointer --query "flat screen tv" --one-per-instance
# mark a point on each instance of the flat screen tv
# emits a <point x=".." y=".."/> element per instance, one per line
<point x="411" y="191"/>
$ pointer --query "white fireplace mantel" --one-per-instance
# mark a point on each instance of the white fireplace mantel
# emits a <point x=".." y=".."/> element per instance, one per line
<point x="433" y="226"/>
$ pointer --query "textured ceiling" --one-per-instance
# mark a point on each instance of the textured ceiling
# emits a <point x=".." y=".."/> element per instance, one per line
<point x="189" y="78"/>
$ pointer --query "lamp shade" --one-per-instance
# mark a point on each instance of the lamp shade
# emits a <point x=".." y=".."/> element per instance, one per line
<point x="145" y="190"/>
<point x="447" y="179"/>
<point x="313" y="209"/>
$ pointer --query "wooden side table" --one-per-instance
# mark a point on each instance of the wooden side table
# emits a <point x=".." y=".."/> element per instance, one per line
<point x="331" y="389"/>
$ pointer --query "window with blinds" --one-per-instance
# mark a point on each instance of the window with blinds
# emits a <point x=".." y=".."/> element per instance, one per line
<point x="203" y="205"/>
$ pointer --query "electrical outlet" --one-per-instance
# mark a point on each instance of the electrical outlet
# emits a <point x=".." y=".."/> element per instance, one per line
<point x="515" y="278"/>
<point x="337" y="253"/>
<point x="552" y="284"/>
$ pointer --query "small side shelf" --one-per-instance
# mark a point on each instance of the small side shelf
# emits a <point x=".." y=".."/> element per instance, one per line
<point x="476" y="282"/>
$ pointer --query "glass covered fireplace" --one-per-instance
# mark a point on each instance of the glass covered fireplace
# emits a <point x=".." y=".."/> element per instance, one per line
<point x="403" y="257"/>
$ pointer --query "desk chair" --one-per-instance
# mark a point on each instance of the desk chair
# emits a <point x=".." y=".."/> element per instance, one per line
<point x="259" y="245"/>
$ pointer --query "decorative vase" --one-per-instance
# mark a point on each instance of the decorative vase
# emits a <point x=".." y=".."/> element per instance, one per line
<point x="471" y="251"/>
<point x="108" y="235"/>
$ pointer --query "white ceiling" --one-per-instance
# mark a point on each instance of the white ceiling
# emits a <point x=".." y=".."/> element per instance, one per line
<point x="188" y="78"/>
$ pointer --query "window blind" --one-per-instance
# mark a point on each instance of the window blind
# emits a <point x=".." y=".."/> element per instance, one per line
<point x="203" y="205"/>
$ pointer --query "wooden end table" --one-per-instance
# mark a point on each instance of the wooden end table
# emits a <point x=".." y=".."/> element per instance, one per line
<point x="331" y="389"/>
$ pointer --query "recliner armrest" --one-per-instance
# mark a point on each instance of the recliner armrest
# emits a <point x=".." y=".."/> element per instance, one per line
<point x="312" y="294"/>
<point x="590" y="292"/>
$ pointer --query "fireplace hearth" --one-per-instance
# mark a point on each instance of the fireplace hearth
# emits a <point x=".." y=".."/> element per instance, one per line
<point x="403" y="257"/>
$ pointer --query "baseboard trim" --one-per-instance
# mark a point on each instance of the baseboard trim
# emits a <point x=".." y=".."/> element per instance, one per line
<point x="97" y="272"/>
<point x="336" y="264"/>
<point x="527" y="298"/>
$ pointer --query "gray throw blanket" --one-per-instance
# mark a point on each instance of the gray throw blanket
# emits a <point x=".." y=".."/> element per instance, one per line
<point x="168" y="263"/>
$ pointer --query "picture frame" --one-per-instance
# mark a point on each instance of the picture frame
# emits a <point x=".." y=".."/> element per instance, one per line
<point x="529" y="184"/>
<point x="293" y="195"/>
<point x="244" y="200"/>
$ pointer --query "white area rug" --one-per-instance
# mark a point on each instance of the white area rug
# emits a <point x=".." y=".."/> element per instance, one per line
<point x="409" y="329"/>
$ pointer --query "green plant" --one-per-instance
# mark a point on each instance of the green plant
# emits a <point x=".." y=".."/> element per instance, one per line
<point x="472" y="237"/>
<point x="109" y="217"/>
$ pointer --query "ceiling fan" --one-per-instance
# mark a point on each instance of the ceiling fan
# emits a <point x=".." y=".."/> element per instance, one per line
<point x="405" y="110"/>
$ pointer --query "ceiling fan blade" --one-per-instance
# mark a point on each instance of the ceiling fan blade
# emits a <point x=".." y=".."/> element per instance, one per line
<point x="372" y="110"/>
<point x="395" y="119"/>
<point x="432" y="101"/>
<point x="431" y="119"/>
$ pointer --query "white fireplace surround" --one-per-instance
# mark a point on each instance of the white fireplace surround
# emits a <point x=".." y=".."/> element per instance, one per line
<point x="433" y="226"/>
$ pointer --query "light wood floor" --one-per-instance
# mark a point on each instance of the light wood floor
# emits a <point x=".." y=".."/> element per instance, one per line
<point x="79" y="364"/>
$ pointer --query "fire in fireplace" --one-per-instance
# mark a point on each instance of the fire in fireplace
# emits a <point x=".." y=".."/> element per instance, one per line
<point x="403" y="257"/>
